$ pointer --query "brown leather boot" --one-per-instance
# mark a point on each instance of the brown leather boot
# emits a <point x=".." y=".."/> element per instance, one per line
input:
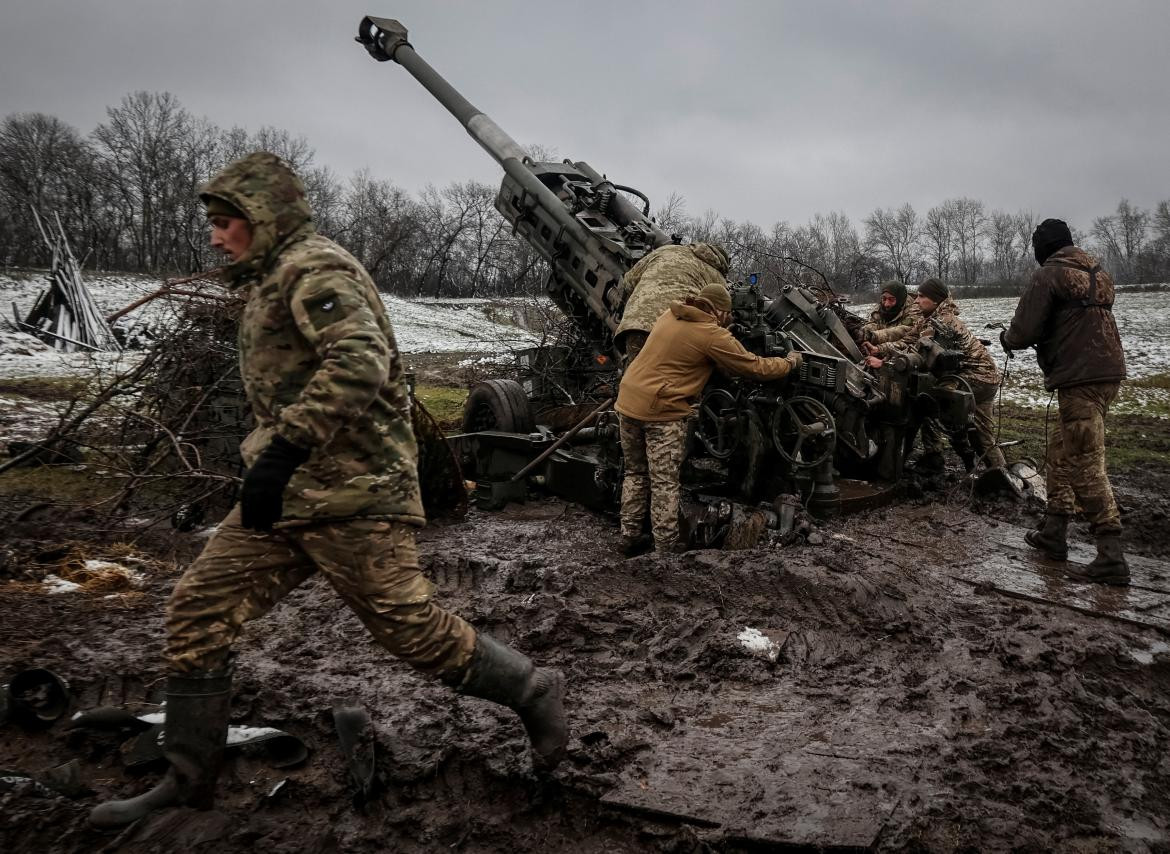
<point x="1051" y="537"/>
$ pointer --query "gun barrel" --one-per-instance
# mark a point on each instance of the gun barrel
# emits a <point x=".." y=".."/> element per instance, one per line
<point x="385" y="38"/>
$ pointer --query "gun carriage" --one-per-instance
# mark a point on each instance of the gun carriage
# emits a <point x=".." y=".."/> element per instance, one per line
<point x="833" y="422"/>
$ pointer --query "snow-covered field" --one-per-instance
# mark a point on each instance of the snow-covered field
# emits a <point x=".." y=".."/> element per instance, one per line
<point x="484" y="329"/>
<point x="421" y="326"/>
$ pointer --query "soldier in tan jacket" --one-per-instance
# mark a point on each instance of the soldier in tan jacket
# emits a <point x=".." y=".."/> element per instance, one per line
<point x="657" y="392"/>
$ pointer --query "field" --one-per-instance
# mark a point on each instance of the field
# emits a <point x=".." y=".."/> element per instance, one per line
<point x="915" y="681"/>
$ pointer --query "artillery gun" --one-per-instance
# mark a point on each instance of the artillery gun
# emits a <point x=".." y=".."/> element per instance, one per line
<point x="751" y="441"/>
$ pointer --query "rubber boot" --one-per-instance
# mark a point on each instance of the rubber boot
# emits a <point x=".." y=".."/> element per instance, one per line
<point x="537" y="694"/>
<point x="634" y="546"/>
<point x="193" y="742"/>
<point x="1051" y="537"/>
<point x="1108" y="567"/>
<point x="931" y="462"/>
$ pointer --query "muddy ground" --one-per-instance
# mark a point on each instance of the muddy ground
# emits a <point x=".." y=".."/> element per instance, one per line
<point x="891" y="701"/>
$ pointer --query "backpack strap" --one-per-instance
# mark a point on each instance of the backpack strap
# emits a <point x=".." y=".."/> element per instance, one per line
<point x="1089" y="301"/>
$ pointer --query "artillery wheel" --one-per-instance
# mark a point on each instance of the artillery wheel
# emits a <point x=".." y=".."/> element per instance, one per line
<point x="803" y="431"/>
<point x="498" y="405"/>
<point x="718" y="423"/>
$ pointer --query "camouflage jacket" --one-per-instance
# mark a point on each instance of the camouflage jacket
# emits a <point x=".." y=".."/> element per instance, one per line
<point x="318" y="357"/>
<point x="975" y="365"/>
<point x="880" y="331"/>
<point x="1070" y="322"/>
<point x="667" y="274"/>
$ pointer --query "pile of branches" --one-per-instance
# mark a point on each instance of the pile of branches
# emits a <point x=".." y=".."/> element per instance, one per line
<point x="167" y="422"/>
<point x="168" y="426"/>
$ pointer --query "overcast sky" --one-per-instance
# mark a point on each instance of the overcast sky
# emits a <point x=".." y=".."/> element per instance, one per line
<point x="758" y="110"/>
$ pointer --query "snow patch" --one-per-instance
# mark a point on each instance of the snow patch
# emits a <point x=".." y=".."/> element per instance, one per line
<point x="758" y="643"/>
<point x="56" y="584"/>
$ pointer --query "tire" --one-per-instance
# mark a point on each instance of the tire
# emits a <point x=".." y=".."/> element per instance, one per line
<point x="498" y="405"/>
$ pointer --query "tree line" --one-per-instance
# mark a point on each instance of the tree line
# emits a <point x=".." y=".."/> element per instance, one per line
<point x="126" y="196"/>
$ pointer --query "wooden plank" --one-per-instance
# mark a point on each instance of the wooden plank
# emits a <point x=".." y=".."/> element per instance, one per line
<point x="1146" y="572"/>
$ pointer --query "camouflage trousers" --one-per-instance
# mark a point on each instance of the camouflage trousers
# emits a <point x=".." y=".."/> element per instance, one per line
<point x="1076" y="456"/>
<point x="652" y="452"/>
<point x="933" y="435"/>
<point x="632" y="343"/>
<point x="373" y="566"/>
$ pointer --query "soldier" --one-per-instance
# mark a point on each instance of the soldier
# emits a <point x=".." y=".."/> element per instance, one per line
<point x="331" y="487"/>
<point x="689" y="340"/>
<point x="940" y="320"/>
<point x="667" y="274"/>
<point x="893" y="319"/>
<point x="1067" y="314"/>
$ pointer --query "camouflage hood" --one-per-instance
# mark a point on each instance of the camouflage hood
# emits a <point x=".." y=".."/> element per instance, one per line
<point x="713" y="254"/>
<point x="273" y="199"/>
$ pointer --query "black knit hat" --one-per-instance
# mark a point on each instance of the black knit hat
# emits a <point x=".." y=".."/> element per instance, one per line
<point x="934" y="289"/>
<point x="1049" y="236"/>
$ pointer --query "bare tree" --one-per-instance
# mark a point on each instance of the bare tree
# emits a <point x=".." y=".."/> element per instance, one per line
<point x="1121" y="237"/>
<point x="1000" y="231"/>
<point x="968" y="221"/>
<point x="938" y="238"/>
<point x="894" y="237"/>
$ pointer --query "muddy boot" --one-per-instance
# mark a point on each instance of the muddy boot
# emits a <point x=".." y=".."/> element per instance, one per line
<point x="1051" y="537"/>
<point x="1108" y="567"/>
<point x="930" y="463"/>
<point x="634" y="546"/>
<point x="193" y="742"/>
<point x="537" y="694"/>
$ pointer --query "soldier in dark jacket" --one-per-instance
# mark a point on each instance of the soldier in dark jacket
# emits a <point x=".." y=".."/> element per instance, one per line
<point x="1066" y="314"/>
<point x="331" y="488"/>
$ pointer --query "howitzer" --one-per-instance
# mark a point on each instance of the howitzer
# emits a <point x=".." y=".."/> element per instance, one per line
<point x="766" y="437"/>
<point x="575" y="218"/>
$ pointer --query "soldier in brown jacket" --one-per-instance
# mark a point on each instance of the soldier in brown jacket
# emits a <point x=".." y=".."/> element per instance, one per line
<point x="657" y="392"/>
<point x="1066" y="314"/>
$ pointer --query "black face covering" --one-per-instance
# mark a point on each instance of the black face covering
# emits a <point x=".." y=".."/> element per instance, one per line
<point x="898" y="291"/>
<point x="1050" y="236"/>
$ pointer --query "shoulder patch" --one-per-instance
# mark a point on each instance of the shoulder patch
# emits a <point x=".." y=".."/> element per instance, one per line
<point x="324" y="309"/>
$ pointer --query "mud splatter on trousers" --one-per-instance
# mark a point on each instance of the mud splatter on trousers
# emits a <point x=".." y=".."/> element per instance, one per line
<point x="1076" y="456"/>
<point x="373" y="566"/>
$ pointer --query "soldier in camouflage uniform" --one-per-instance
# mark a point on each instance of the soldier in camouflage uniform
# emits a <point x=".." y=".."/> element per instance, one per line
<point x="1066" y="313"/>
<point x="939" y="319"/>
<point x="655" y="400"/>
<point x="893" y="319"/>
<point x="667" y="274"/>
<point x="331" y="487"/>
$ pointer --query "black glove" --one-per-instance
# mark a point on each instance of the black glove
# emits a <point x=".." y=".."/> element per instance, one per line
<point x="1003" y="342"/>
<point x="262" y="495"/>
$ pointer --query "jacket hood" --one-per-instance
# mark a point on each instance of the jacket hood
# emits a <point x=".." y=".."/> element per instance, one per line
<point x="713" y="254"/>
<point x="272" y="197"/>
<point x="690" y="313"/>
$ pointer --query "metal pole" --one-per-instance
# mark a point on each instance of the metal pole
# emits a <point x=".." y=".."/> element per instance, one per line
<point x="561" y="441"/>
